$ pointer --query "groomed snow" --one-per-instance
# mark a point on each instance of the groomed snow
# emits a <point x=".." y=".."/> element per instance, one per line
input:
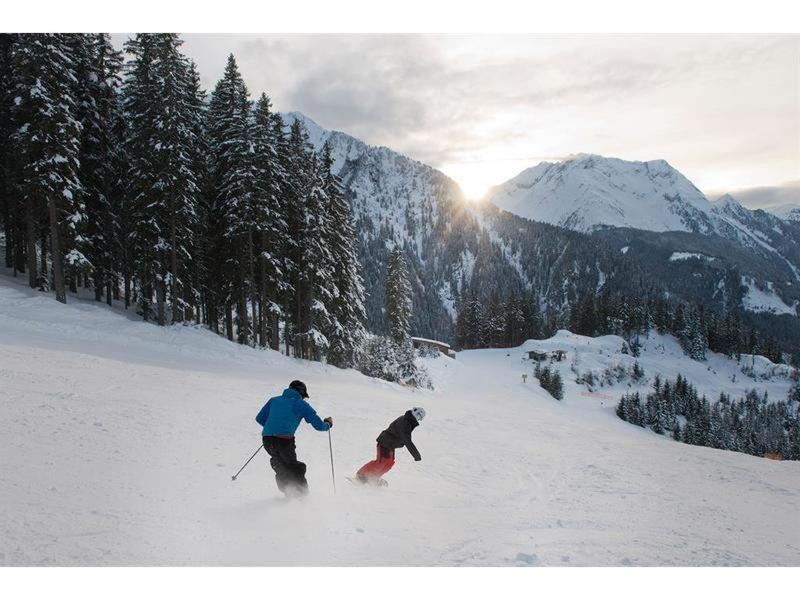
<point x="120" y="439"/>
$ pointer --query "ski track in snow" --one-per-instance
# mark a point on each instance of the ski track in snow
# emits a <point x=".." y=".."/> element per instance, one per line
<point x="120" y="439"/>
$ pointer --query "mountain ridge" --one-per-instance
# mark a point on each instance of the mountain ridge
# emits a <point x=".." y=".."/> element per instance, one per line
<point x="454" y="246"/>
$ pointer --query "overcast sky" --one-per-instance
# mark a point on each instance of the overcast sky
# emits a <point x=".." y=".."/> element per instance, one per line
<point x="723" y="109"/>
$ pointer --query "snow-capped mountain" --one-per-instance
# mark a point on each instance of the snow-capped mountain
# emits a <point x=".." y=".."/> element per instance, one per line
<point x="452" y="244"/>
<point x="749" y="227"/>
<point x="759" y="231"/>
<point x="586" y="192"/>
<point x="787" y="212"/>
<point x="591" y="193"/>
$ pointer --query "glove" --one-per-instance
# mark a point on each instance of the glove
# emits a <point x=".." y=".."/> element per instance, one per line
<point x="329" y="421"/>
<point x="418" y="459"/>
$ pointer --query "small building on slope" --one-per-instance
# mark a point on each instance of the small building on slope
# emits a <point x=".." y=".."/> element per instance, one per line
<point x="436" y="344"/>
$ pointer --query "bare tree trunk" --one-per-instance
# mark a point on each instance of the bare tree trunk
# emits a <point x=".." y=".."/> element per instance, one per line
<point x="146" y="297"/>
<point x="176" y="316"/>
<point x="298" y="338"/>
<point x="161" y="301"/>
<point x="229" y="321"/>
<point x="99" y="283"/>
<point x="252" y="289"/>
<point x="9" y="252"/>
<point x="254" y="336"/>
<point x="212" y="316"/>
<point x="275" y="332"/>
<point x="241" y="310"/>
<point x="30" y="238"/>
<point x="262" y="317"/>
<point x="43" y="271"/>
<point x="109" y="281"/>
<point x="56" y="253"/>
<point x="18" y="249"/>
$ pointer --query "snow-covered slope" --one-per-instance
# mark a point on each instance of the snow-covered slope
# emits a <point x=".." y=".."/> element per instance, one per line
<point x="659" y="354"/>
<point x="750" y="228"/>
<point x="120" y="439"/>
<point x="764" y="299"/>
<point x="587" y="191"/>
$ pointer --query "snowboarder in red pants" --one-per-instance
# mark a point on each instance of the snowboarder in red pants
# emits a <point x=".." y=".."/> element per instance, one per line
<point x="396" y="435"/>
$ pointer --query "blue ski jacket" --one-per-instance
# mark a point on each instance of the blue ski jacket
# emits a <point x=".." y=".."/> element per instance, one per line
<point x="282" y="414"/>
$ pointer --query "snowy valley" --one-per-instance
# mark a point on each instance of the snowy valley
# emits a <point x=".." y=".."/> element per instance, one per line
<point x="120" y="439"/>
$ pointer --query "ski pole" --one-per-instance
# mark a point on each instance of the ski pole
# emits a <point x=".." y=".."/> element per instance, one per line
<point x="247" y="463"/>
<point x="333" y="475"/>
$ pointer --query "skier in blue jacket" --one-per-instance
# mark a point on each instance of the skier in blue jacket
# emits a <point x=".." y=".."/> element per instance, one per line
<point x="279" y="419"/>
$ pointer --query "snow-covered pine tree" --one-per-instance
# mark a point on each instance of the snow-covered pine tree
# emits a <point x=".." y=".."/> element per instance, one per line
<point x="11" y="209"/>
<point x="140" y="95"/>
<point x="514" y="321"/>
<point x="317" y="269"/>
<point x="494" y="322"/>
<point x="46" y="139"/>
<point x="101" y="160"/>
<point x="297" y="163"/>
<point x="621" y="409"/>
<point x="469" y="324"/>
<point x="78" y="241"/>
<point x="164" y="190"/>
<point x="194" y="271"/>
<point x="398" y="296"/>
<point x="347" y="311"/>
<point x="556" y="385"/>
<point x="176" y="190"/>
<point x="234" y="181"/>
<point x="692" y="336"/>
<point x="270" y="181"/>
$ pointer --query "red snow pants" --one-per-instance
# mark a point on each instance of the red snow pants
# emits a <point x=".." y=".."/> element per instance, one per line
<point x="374" y="469"/>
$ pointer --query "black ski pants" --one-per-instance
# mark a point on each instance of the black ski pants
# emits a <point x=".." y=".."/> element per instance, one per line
<point x="290" y="473"/>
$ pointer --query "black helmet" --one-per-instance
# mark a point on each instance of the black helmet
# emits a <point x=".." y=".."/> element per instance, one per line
<point x="299" y="387"/>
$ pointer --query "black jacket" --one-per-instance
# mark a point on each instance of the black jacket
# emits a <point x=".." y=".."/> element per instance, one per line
<point x="398" y="434"/>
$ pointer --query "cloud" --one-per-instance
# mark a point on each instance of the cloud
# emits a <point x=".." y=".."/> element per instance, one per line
<point x="768" y="196"/>
<point x="721" y="108"/>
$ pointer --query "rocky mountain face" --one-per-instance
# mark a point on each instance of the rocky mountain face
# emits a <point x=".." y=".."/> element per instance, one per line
<point x="560" y="231"/>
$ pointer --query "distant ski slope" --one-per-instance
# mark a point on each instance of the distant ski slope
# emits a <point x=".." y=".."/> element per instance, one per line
<point x="120" y="438"/>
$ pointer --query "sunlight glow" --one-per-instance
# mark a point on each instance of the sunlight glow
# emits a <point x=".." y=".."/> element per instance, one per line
<point x="476" y="178"/>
